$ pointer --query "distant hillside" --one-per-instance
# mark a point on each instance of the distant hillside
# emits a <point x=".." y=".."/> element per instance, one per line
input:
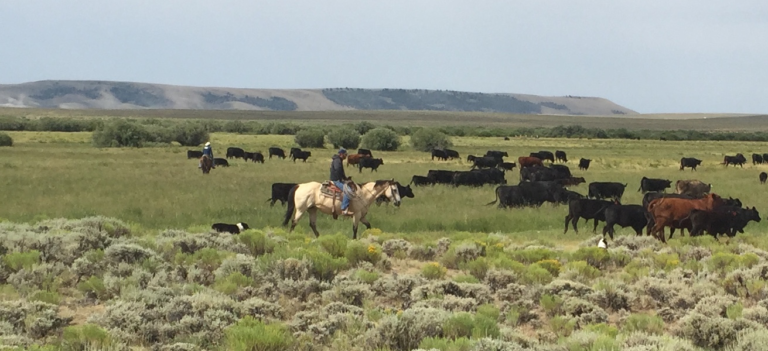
<point x="126" y="95"/>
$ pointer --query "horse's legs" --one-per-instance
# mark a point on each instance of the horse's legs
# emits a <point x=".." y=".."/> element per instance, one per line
<point x="365" y="221"/>
<point x="296" y="218"/>
<point x="355" y="220"/>
<point x="313" y="220"/>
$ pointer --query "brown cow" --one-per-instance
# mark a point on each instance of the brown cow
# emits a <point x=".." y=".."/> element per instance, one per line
<point x="693" y="188"/>
<point x="355" y="158"/>
<point x="672" y="212"/>
<point x="523" y="161"/>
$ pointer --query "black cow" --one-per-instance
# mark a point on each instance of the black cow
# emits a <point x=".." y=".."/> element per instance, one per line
<point x="546" y="155"/>
<point x="625" y="216"/>
<point x="538" y="173"/>
<point x="276" y="151"/>
<point x="743" y="218"/>
<point x="440" y="176"/>
<point x="689" y="162"/>
<point x="496" y="154"/>
<point x="529" y="194"/>
<point x="470" y="178"/>
<point x="495" y="175"/>
<point x="763" y="177"/>
<point x="258" y="157"/>
<point x="404" y="191"/>
<point x="562" y="171"/>
<point x="739" y="159"/>
<point x="765" y="158"/>
<point x="654" y="184"/>
<point x="587" y="209"/>
<point x="418" y="180"/>
<point x="648" y="197"/>
<point x="440" y="154"/>
<point x="365" y="152"/>
<point x="451" y="154"/>
<point x="230" y="228"/>
<point x="280" y="192"/>
<point x="372" y="163"/>
<point x="194" y="154"/>
<point x="560" y="156"/>
<point x="471" y="158"/>
<point x="220" y="162"/>
<point x="293" y="151"/>
<point x="485" y="162"/>
<point x="235" y="152"/>
<point x="584" y="164"/>
<point x="606" y="190"/>
<point x="727" y="220"/>
<point x="565" y="196"/>
<point x="757" y="159"/>
<point x="301" y="155"/>
<point x="508" y="166"/>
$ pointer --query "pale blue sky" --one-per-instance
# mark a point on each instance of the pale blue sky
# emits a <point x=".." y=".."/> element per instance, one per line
<point x="650" y="56"/>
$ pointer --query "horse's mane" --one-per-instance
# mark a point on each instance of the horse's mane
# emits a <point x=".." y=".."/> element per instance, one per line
<point x="381" y="182"/>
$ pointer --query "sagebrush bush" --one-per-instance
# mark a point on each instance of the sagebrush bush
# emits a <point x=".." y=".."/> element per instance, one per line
<point x="645" y="323"/>
<point x="5" y="140"/>
<point x="18" y="260"/>
<point x="314" y="137"/>
<point x="357" y="252"/>
<point x="84" y="337"/>
<point x="251" y="334"/>
<point x="426" y="139"/>
<point x="257" y="242"/>
<point x="189" y="134"/>
<point x="381" y="139"/>
<point x="335" y="244"/>
<point x="344" y="137"/>
<point x="433" y="271"/>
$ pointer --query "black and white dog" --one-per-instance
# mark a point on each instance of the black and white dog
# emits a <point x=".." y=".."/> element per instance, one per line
<point x="230" y="228"/>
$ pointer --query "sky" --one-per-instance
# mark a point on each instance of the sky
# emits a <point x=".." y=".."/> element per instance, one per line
<point x="682" y="56"/>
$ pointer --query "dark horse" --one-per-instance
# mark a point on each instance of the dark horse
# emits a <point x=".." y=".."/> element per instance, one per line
<point x="206" y="163"/>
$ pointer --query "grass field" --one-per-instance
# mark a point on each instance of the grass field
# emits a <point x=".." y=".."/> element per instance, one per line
<point x="49" y="175"/>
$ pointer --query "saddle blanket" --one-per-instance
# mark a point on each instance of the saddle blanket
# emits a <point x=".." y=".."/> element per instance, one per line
<point x="330" y="190"/>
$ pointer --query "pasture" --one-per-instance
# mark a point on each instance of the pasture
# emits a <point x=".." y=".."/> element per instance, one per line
<point x="50" y="175"/>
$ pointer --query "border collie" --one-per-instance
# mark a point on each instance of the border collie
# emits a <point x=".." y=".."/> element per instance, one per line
<point x="230" y="228"/>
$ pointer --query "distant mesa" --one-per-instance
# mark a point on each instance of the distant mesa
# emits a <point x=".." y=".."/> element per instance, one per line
<point x="127" y="95"/>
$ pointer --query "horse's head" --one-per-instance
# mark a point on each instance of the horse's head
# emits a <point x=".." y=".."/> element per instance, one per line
<point x="390" y="190"/>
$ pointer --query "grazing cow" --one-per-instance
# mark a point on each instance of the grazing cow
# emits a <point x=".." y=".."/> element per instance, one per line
<point x="485" y="162"/>
<point x="365" y="152"/>
<point x="301" y="155"/>
<point x="293" y="151"/>
<point x="495" y="175"/>
<point x="470" y="178"/>
<point x="404" y="191"/>
<point x="715" y="222"/>
<point x="235" y="152"/>
<point x="565" y="196"/>
<point x="254" y="156"/>
<point x="496" y="154"/>
<point x="194" y="154"/>
<point x="654" y="184"/>
<point x="692" y="187"/>
<point x="571" y="181"/>
<point x="606" y="190"/>
<point x="546" y="155"/>
<point x="584" y="164"/>
<point x="538" y="174"/>
<point x="673" y="213"/>
<point x="372" y="163"/>
<point x="230" y="228"/>
<point x="280" y="192"/>
<point x="757" y="159"/>
<point x="440" y="176"/>
<point x="508" y="166"/>
<point x="440" y="154"/>
<point x="763" y="177"/>
<point x="418" y="180"/>
<point x="276" y="151"/>
<point x="471" y="158"/>
<point x="561" y="170"/>
<point x="506" y="138"/>
<point x="528" y="162"/>
<point x="690" y="162"/>
<point x="587" y="209"/>
<point x="529" y="194"/>
<point x="560" y="156"/>
<point x="451" y="154"/>
<point x="739" y="159"/>
<point x="354" y="159"/>
<point x="625" y="216"/>
<point x="220" y="162"/>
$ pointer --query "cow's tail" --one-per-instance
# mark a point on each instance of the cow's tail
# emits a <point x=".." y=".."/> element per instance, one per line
<point x="291" y="205"/>
<point x="497" y="197"/>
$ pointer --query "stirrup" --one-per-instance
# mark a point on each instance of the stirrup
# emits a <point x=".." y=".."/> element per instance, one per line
<point x="347" y="213"/>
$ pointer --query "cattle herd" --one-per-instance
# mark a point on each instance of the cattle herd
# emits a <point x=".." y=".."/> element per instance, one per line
<point x="692" y="206"/>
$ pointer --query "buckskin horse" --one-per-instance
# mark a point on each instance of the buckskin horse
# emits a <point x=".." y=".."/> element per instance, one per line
<point x="309" y="197"/>
<point x="206" y="164"/>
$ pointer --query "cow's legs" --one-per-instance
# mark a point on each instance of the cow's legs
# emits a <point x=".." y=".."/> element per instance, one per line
<point x="594" y="229"/>
<point x="573" y="223"/>
<point x="313" y="220"/>
<point x="567" y="219"/>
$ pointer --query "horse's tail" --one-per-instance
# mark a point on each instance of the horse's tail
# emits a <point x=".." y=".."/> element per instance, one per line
<point x="291" y="205"/>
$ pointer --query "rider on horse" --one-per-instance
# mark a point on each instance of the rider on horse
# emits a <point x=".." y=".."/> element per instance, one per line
<point x="207" y="151"/>
<point x="338" y="177"/>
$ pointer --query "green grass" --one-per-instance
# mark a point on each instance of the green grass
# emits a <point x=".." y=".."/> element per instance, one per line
<point x="49" y="175"/>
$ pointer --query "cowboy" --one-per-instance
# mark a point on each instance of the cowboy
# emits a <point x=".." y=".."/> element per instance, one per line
<point x="207" y="151"/>
<point x="338" y="177"/>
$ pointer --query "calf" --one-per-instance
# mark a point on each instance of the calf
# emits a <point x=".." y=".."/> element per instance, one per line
<point x="230" y="228"/>
<point x="280" y="192"/>
<point x="508" y="166"/>
<point x="763" y="177"/>
<point x="653" y="184"/>
<point x="739" y="159"/>
<point x="301" y="155"/>
<point x="254" y="156"/>
<point x="690" y="162"/>
<point x="625" y="216"/>
<point x="194" y="154"/>
<point x="276" y="151"/>
<point x="757" y="159"/>
<point x="571" y="181"/>
<point x="485" y="162"/>
<point x="496" y="154"/>
<point x="584" y="164"/>
<point x="220" y="162"/>
<point x="365" y="152"/>
<point x="587" y="209"/>
<point x="418" y="180"/>
<point x="560" y="156"/>
<point x="604" y="190"/>
<point x="235" y="152"/>
<point x="372" y="163"/>
<point x="451" y="154"/>
<point x="471" y="158"/>
<point x="293" y="151"/>
<point x="692" y="187"/>
<point x="440" y="154"/>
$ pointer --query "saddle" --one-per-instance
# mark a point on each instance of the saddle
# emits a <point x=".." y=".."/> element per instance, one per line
<point x="329" y="189"/>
